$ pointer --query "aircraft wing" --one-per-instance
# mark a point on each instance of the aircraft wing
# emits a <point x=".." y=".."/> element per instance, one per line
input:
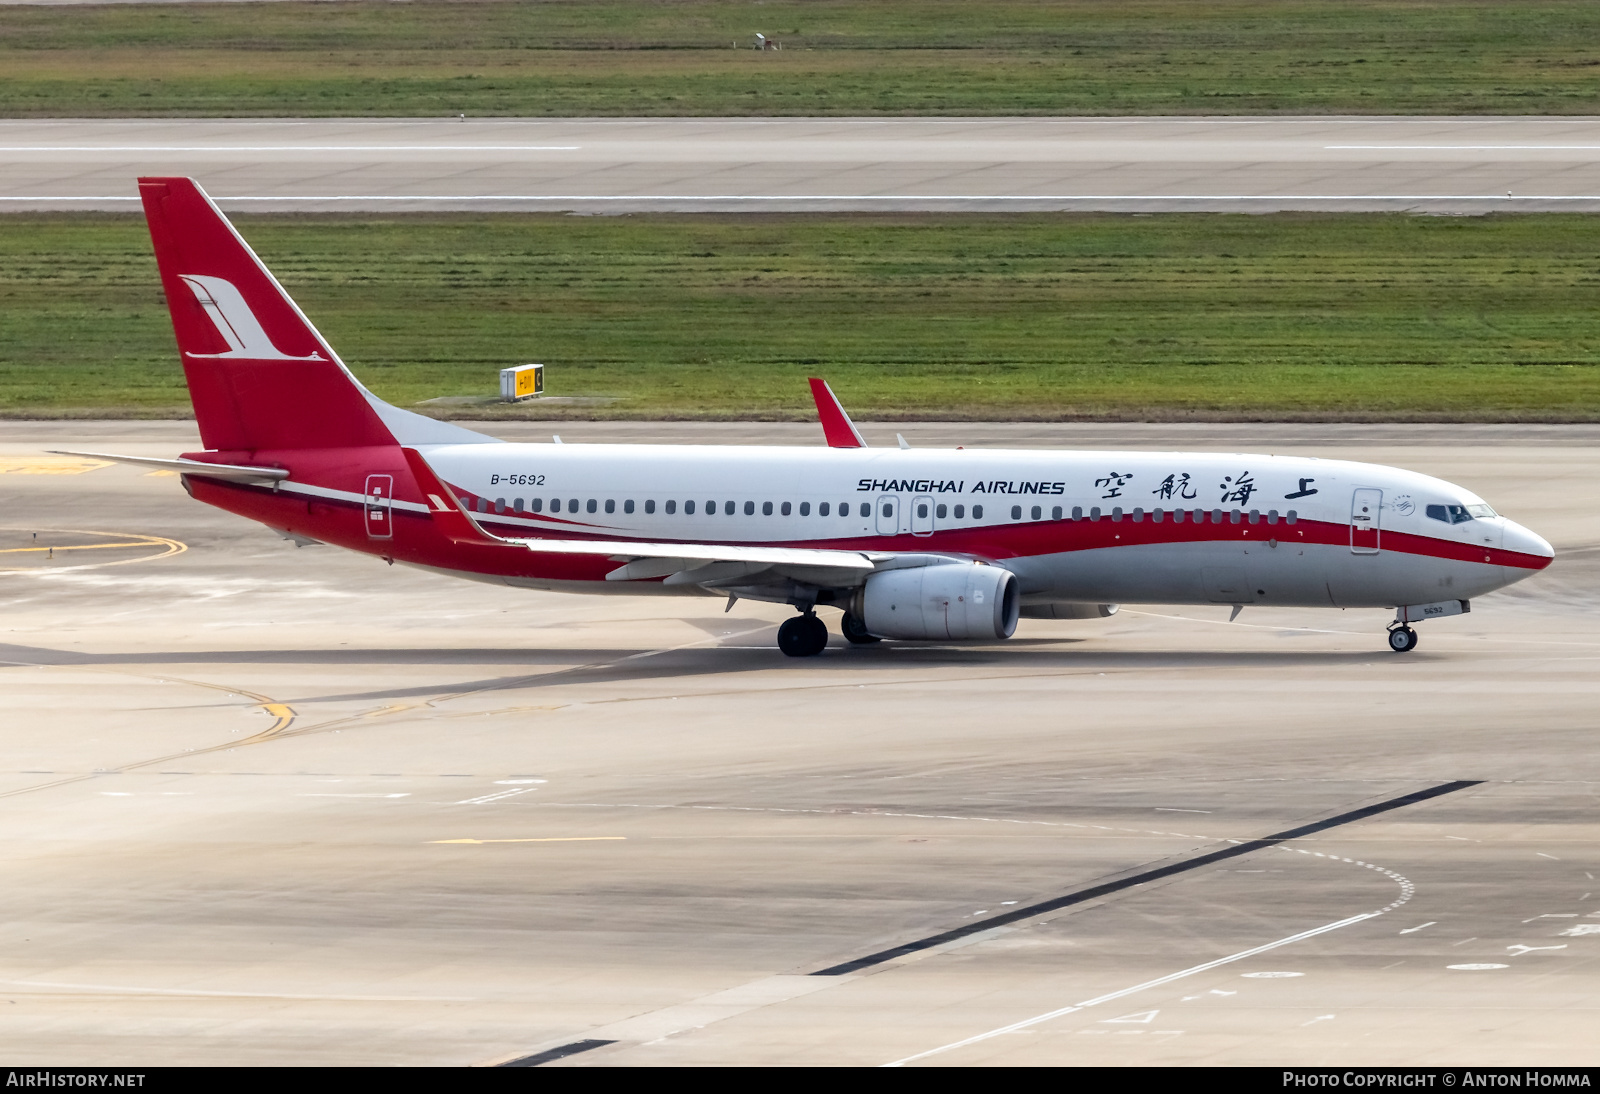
<point x="709" y="564"/>
<point x="231" y="471"/>
<point x="715" y="563"/>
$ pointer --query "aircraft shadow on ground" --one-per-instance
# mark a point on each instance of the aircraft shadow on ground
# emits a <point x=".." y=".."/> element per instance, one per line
<point x="589" y="666"/>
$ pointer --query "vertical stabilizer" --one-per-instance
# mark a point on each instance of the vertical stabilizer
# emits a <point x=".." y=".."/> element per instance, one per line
<point x="259" y="374"/>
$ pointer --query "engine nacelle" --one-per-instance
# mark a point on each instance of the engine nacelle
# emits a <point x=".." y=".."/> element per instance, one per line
<point x="954" y="600"/>
<point x="1060" y="609"/>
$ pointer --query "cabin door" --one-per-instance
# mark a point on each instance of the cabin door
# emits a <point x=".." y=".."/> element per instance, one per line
<point x="380" y="489"/>
<point x="1365" y="507"/>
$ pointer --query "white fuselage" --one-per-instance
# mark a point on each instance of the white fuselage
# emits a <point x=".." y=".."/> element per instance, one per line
<point x="1080" y="526"/>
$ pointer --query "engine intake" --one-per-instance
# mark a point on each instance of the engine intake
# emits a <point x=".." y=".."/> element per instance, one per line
<point x="949" y="601"/>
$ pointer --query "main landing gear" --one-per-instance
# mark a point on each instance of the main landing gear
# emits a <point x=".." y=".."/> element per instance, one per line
<point x="855" y="631"/>
<point x="1402" y="639"/>
<point x="803" y="636"/>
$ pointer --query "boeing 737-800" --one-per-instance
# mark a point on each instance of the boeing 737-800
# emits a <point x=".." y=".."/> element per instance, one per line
<point x="915" y="544"/>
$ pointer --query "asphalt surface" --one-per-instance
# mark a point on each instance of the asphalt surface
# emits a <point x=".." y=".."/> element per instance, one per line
<point x="1428" y="164"/>
<point x="263" y="804"/>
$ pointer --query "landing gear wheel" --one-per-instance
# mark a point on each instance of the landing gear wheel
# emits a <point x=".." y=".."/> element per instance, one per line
<point x="803" y="636"/>
<point x="1402" y="640"/>
<point x="855" y="631"/>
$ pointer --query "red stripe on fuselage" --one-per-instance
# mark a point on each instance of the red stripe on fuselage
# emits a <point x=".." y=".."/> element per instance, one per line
<point x="416" y="540"/>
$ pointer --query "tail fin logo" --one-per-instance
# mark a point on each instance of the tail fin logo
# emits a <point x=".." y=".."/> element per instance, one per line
<point x="237" y="324"/>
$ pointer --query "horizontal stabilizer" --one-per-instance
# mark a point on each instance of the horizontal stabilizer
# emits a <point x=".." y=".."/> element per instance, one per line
<point x="232" y="472"/>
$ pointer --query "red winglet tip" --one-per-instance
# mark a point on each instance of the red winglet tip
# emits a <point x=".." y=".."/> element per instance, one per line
<point x="837" y="427"/>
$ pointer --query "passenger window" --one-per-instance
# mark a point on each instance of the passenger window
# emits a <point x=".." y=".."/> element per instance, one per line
<point x="1016" y="512"/>
<point x="805" y="509"/>
<point x="866" y="510"/>
<point x="672" y="507"/>
<point x="766" y="508"/>
<point x="1137" y="515"/>
<point x="822" y="510"/>
<point x="1255" y="516"/>
<point x="1177" y="516"/>
<point x="1037" y="512"/>
<point x="1234" y="516"/>
<point x="1216" y="516"/>
<point x="1094" y="512"/>
<point x="572" y="505"/>
<point x="961" y="511"/>
<point x="627" y="506"/>
<point x="611" y="505"/>
<point x="555" y="505"/>
<point x="650" y="505"/>
<point x="1116" y="512"/>
<point x="940" y="510"/>
<point x="888" y="511"/>
<point x="1157" y="515"/>
<point x="483" y="505"/>
<point x="922" y="511"/>
<point x="1291" y="516"/>
<point x="1198" y="516"/>
<point x="1055" y="514"/>
<point x="516" y="505"/>
<point x="592" y="506"/>
<point x="977" y="512"/>
<point x="1272" y="516"/>
<point x="688" y="508"/>
<point x="750" y="508"/>
<point x="538" y="505"/>
<point x="499" y="505"/>
<point x="711" y="508"/>
<point x="1077" y="512"/>
<point x="727" y="508"/>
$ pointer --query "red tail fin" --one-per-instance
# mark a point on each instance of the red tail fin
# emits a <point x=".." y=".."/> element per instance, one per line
<point x="837" y="427"/>
<point x="260" y="375"/>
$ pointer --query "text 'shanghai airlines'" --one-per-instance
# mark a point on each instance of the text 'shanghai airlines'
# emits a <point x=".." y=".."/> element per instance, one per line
<point x="909" y="543"/>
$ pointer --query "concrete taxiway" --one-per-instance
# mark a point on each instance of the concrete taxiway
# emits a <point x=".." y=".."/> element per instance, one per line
<point x="1431" y="164"/>
<point x="266" y="804"/>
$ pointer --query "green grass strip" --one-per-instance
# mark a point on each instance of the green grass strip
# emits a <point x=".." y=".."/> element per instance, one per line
<point x="840" y="57"/>
<point x="1028" y="316"/>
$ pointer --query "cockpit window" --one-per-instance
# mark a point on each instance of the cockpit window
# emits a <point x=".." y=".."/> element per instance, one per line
<point x="1459" y="514"/>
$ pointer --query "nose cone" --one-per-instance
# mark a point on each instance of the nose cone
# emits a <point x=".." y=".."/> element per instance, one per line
<point x="1536" y="549"/>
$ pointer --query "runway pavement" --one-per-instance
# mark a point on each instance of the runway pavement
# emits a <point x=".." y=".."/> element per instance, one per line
<point x="266" y="804"/>
<point x="1429" y="164"/>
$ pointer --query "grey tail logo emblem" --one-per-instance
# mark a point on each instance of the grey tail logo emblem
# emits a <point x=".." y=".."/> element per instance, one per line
<point x="235" y="321"/>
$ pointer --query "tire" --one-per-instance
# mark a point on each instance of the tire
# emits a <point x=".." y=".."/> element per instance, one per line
<point x="802" y="636"/>
<point x="1402" y="640"/>
<point x="855" y="631"/>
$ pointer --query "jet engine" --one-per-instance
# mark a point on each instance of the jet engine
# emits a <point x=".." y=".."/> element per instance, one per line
<point x="954" y="600"/>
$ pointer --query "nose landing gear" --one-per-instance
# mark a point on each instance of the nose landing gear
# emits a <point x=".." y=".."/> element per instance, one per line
<point x="1402" y="639"/>
<point x="803" y="636"/>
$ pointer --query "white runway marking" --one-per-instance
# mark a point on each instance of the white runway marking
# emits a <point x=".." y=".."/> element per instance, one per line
<point x="499" y="795"/>
<point x="1110" y="996"/>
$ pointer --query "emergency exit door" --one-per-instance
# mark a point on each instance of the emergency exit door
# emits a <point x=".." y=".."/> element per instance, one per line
<point x="380" y="489"/>
<point x="1365" y="507"/>
<point x="888" y="515"/>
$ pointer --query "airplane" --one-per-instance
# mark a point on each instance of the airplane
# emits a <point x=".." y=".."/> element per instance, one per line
<point x="910" y="544"/>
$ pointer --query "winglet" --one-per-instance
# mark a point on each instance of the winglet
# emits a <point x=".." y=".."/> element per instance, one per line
<point x="445" y="508"/>
<point x="836" y="424"/>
